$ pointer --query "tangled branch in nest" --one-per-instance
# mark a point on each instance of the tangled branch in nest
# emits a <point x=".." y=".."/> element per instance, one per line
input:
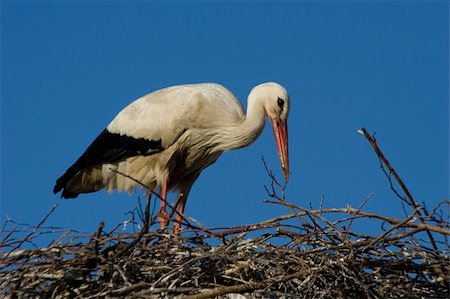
<point x="303" y="254"/>
<point x="316" y="259"/>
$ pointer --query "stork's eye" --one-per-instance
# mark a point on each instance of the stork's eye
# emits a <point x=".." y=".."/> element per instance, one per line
<point x="280" y="103"/>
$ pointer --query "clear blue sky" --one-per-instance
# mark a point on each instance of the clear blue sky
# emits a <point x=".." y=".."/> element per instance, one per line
<point x="67" y="68"/>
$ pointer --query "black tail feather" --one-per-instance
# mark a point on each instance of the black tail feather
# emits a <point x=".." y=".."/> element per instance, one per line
<point x="106" y="148"/>
<point x="62" y="182"/>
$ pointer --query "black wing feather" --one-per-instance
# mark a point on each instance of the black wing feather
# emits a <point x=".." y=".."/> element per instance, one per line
<point x="107" y="148"/>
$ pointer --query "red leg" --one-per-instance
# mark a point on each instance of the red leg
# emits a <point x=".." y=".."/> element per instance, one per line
<point x="162" y="216"/>
<point x="185" y="188"/>
<point x="179" y="218"/>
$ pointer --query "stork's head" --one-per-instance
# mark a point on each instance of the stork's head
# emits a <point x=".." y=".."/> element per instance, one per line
<point x="276" y="105"/>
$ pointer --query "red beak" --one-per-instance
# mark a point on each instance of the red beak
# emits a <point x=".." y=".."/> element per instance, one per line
<point x="280" y="131"/>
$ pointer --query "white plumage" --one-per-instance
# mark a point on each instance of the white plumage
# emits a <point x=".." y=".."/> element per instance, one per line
<point x="166" y="138"/>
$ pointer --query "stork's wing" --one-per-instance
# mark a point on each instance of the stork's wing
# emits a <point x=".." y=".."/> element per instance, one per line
<point x="107" y="148"/>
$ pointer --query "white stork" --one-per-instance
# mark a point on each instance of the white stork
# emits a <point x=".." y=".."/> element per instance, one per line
<point x="164" y="140"/>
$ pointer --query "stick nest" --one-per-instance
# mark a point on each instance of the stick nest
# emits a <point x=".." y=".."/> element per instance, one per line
<point x="315" y="259"/>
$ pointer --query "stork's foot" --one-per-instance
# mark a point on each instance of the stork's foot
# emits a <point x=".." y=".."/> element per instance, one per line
<point x="176" y="228"/>
<point x="163" y="221"/>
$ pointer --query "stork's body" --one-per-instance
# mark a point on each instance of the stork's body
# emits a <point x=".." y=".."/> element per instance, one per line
<point x="166" y="138"/>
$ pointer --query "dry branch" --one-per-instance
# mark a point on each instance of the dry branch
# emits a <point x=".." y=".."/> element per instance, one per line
<point x="418" y="208"/>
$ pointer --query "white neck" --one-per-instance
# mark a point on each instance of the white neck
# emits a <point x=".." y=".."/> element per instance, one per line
<point x="245" y="132"/>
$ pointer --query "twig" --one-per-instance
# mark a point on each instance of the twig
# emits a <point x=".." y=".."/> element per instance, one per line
<point x="390" y="230"/>
<point x="98" y="236"/>
<point x="409" y="197"/>
<point x="275" y="221"/>
<point x="359" y="209"/>
<point x="143" y="231"/>
<point x="34" y="230"/>
<point x="9" y="234"/>
<point x="240" y="288"/>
